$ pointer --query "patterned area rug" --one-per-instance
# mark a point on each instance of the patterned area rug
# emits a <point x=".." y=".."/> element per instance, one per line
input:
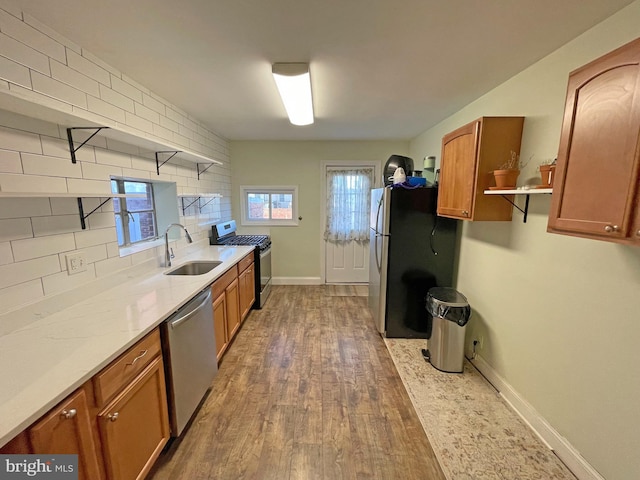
<point x="347" y="290"/>
<point x="473" y="431"/>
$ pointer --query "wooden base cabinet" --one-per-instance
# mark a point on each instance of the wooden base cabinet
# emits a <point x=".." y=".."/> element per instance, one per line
<point x="469" y="156"/>
<point x="247" y="283"/>
<point x="226" y="309"/>
<point x="134" y="427"/>
<point x="67" y="429"/>
<point x="596" y="191"/>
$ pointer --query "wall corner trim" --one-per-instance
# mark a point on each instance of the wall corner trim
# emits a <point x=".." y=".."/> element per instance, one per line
<point x="549" y="436"/>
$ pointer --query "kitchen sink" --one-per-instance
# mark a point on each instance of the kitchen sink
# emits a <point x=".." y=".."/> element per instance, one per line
<point x="194" y="268"/>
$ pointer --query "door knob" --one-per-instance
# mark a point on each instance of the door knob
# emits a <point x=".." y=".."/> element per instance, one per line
<point x="113" y="416"/>
<point x="611" y="228"/>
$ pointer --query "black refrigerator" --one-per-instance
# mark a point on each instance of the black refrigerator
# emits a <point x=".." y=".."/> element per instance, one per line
<point x="411" y="250"/>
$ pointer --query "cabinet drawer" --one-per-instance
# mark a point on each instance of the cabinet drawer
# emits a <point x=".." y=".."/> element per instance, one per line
<point x="223" y="282"/>
<point x="245" y="262"/>
<point x="110" y="380"/>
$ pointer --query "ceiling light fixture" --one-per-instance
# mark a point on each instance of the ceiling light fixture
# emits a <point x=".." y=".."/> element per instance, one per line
<point x="294" y="84"/>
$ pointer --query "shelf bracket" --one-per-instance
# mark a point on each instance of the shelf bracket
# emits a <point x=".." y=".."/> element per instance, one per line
<point x="158" y="164"/>
<point x="200" y="206"/>
<point x="184" y="207"/>
<point x="204" y="170"/>
<point x="526" y="206"/>
<point x="72" y="148"/>
<point x="83" y="217"/>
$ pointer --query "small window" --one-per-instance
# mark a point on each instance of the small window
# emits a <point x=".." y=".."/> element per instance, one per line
<point x="269" y="205"/>
<point x="135" y="217"/>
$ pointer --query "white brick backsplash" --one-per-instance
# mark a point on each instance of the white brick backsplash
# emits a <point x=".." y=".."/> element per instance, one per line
<point x="10" y="162"/>
<point x="50" y="166"/>
<point x="140" y="163"/>
<point x="117" y="159"/>
<point x="181" y="140"/>
<point x="113" y="250"/>
<point x="10" y="7"/>
<point x="76" y="185"/>
<point x="96" y="253"/>
<point x="147" y="113"/>
<point x="14" y="72"/>
<point x="126" y="89"/>
<point x="31" y="248"/>
<point x="187" y="132"/>
<point x="26" y="34"/>
<point x="91" y="238"/>
<point x="190" y="124"/>
<point x="6" y="256"/>
<point x="56" y="224"/>
<point x="112" y="265"/>
<point x="37" y="24"/>
<point x="56" y="147"/>
<point x="21" y="294"/>
<point x="102" y="220"/>
<point x="15" y="229"/>
<point x="29" y="124"/>
<point x="21" y="53"/>
<point x="139" y="123"/>
<point x="105" y="109"/>
<point x="62" y="281"/>
<point x="162" y="132"/>
<point x="64" y="206"/>
<point x="153" y="104"/>
<point x="132" y="82"/>
<point x="93" y="59"/>
<point x="74" y="78"/>
<point x="122" y="147"/>
<point x="175" y="116"/>
<point x="87" y="67"/>
<point x="95" y="171"/>
<point x="4" y="85"/>
<point x="31" y="183"/>
<point x="58" y="90"/>
<point x="24" y="207"/>
<point x="118" y="99"/>
<point x="19" y="141"/>
<point x="170" y="124"/>
<point x="141" y="174"/>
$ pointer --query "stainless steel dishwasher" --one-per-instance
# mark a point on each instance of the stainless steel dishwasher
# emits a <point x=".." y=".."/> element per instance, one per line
<point x="189" y="347"/>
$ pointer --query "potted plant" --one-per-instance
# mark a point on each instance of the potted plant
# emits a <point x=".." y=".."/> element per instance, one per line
<point x="507" y="175"/>
<point x="547" y="172"/>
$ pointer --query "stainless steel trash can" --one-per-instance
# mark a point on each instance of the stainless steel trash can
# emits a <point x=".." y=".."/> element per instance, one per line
<point x="450" y="311"/>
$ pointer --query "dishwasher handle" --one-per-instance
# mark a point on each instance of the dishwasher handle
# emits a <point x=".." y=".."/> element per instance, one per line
<point x="175" y="323"/>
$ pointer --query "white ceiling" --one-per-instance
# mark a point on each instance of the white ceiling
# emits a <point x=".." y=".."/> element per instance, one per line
<point x="381" y="69"/>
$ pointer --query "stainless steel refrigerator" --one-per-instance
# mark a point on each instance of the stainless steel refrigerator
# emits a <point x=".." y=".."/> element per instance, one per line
<point x="411" y="250"/>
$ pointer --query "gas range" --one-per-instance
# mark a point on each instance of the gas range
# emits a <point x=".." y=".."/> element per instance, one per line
<point x="225" y="234"/>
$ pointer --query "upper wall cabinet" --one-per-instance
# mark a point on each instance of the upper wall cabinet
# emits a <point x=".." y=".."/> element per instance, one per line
<point x="469" y="156"/>
<point x="596" y="190"/>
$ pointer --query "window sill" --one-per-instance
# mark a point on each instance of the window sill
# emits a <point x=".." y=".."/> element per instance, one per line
<point x="140" y="247"/>
<point x="270" y="223"/>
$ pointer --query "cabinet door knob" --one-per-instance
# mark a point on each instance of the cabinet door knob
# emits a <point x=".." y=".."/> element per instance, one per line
<point x="465" y="213"/>
<point x="638" y="233"/>
<point x="69" y="413"/>
<point x="611" y="228"/>
<point x="113" y="416"/>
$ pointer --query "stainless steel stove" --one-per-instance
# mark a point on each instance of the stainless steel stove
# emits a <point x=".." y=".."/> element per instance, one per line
<point x="225" y="234"/>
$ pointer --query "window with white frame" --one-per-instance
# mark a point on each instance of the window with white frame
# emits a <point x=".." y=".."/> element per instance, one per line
<point x="269" y="205"/>
<point x="135" y="217"/>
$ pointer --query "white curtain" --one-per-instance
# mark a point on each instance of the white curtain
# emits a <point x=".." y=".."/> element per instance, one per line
<point x="348" y="199"/>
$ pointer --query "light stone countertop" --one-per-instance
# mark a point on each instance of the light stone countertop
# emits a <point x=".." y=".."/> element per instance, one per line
<point x="53" y="351"/>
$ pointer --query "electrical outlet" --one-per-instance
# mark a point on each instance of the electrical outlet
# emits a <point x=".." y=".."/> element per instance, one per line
<point x="478" y="342"/>
<point x="76" y="263"/>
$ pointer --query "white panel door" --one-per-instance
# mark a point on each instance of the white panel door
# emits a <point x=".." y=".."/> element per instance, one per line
<point x="347" y="262"/>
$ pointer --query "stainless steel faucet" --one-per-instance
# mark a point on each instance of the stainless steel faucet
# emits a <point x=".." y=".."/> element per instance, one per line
<point x="168" y="256"/>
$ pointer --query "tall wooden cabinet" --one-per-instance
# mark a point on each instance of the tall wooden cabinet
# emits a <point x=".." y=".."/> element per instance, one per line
<point x="469" y="156"/>
<point x="246" y="278"/>
<point x="597" y="185"/>
<point x="226" y="309"/>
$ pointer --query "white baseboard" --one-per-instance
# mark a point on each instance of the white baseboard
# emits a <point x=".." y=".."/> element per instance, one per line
<point x="556" y="442"/>
<point x="296" y="281"/>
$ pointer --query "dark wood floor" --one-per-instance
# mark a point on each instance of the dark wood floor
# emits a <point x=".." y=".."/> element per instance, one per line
<point x="307" y="391"/>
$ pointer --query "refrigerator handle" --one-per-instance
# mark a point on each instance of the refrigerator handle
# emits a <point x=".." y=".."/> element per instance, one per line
<point x="378" y="214"/>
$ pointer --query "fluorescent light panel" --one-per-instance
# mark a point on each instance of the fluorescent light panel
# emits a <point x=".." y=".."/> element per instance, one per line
<point x="294" y="84"/>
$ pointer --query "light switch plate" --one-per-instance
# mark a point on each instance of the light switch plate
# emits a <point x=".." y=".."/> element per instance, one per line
<point x="76" y="263"/>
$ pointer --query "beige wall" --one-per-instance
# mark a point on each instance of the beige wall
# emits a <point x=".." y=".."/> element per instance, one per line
<point x="297" y="251"/>
<point x="558" y="315"/>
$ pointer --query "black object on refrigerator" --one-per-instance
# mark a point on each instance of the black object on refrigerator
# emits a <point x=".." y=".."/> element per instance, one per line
<point x="411" y="250"/>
